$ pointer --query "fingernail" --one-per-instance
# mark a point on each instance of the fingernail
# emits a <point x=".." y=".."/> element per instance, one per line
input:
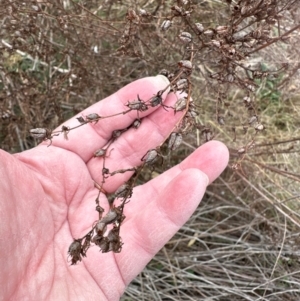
<point x="207" y="179"/>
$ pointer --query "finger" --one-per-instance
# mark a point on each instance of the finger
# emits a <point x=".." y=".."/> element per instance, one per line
<point x="127" y="151"/>
<point x="163" y="205"/>
<point x="211" y="158"/>
<point x="157" y="222"/>
<point x="95" y="135"/>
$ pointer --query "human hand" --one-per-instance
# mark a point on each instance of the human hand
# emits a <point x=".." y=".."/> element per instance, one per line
<point x="48" y="198"/>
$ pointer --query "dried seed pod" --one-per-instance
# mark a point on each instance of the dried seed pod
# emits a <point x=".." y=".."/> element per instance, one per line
<point x="208" y="32"/>
<point x="75" y="251"/>
<point x="230" y="78"/>
<point x="185" y="37"/>
<point x="199" y="27"/>
<point x="180" y="104"/>
<point x="39" y="133"/>
<point x="164" y="72"/>
<point x="216" y="43"/>
<point x="100" y="210"/>
<point x="132" y="16"/>
<point x="86" y="244"/>
<point x="221" y="29"/>
<point x="100" y="228"/>
<point x="123" y="191"/>
<point x="181" y="84"/>
<point x="192" y="113"/>
<point x="150" y="156"/>
<point x="93" y="117"/>
<point x="105" y="171"/>
<point x="113" y="235"/>
<point x="100" y="152"/>
<point x="231" y="51"/>
<point x="177" y="9"/>
<point x="166" y="24"/>
<point x="104" y="245"/>
<point x="138" y="105"/>
<point x="116" y="133"/>
<point x="247" y="100"/>
<point x="246" y="10"/>
<point x="250" y="87"/>
<point x="185" y="64"/>
<point x="241" y="151"/>
<point x="115" y="247"/>
<point x="256" y="34"/>
<point x="156" y="100"/>
<point x="80" y="119"/>
<point x="110" y="217"/>
<point x="174" y="141"/>
<point x="143" y="12"/>
<point x="96" y="239"/>
<point x="136" y="124"/>
<point x="252" y="119"/>
<point x="221" y="120"/>
<point x="259" y="127"/>
<point x="65" y="130"/>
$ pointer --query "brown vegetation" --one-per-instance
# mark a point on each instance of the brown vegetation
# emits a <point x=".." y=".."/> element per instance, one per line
<point x="236" y="63"/>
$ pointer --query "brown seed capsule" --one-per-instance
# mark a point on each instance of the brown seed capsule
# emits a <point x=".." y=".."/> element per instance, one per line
<point x="100" y="210"/>
<point x="199" y="27"/>
<point x="185" y="37"/>
<point x="75" y="251"/>
<point x="38" y="133"/>
<point x="113" y="235"/>
<point x="246" y="10"/>
<point x="230" y="78"/>
<point x="116" y="133"/>
<point x="185" y="64"/>
<point x="181" y="84"/>
<point x="65" y="130"/>
<point x="241" y="151"/>
<point x="110" y="217"/>
<point x="138" y="105"/>
<point x="231" y="51"/>
<point x="259" y="127"/>
<point x="143" y="12"/>
<point x="208" y="32"/>
<point x="136" y="124"/>
<point x="222" y="29"/>
<point x="221" y="120"/>
<point x="174" y="141"/>
<point x="150" y="156"/>
<point x="104" y="245"/>
<point x="93" y="117"/>
<point x="101" y="228"/>
<point x="100" y="152"/>
<point x="252" y="119"/>
<point x="122" y="191"/>
<point x="115" y="247"/>
<point x="74" y="247"/>
<point x="86" y="245"/>
<point x="156" y="100"/>
<point x="180" y="104"/>
<point x="164" y="72"/>
<point x="80" y="119"/>
<point x="177" y="9"/>
<point x="105" y="171"/>
<point x="166" y="24"/>
<point x="216" y="43"/>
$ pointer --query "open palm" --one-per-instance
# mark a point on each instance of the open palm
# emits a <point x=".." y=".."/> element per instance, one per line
<point x="47" y="198"/>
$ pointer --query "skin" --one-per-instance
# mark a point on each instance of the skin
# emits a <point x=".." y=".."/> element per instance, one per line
<point x="48" y="198"/>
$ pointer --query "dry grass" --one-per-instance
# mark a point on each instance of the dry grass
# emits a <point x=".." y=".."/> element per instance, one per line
<point x="242" y="242"/>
